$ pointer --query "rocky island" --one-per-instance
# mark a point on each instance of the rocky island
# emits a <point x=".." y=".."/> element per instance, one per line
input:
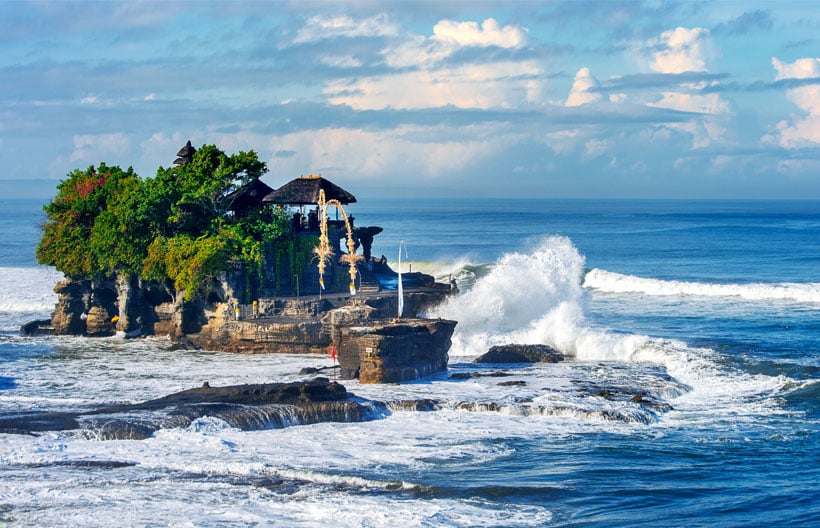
<point x="208" y="254"/>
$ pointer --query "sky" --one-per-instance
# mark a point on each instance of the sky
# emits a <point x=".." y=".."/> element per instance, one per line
<point x="552" y="99"/>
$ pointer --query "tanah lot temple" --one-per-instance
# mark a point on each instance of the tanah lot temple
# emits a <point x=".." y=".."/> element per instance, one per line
<point x="320" y="291"/>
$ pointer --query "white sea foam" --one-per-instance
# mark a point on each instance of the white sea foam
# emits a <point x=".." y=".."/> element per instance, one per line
<point x="28" y="290"/>
<point x="533" y="297"/>
<point x="537" y="297"/>
<point x="26" y="294"/>
<point x="607" y="281"/>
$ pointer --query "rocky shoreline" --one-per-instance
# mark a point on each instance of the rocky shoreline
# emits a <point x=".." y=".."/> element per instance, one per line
<point x="279" y="405"/>
<point x="372" y="345"/>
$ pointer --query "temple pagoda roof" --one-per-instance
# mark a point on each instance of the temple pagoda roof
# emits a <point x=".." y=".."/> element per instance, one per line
<point x="305" y="191"/>
<point x="248" y="196"/>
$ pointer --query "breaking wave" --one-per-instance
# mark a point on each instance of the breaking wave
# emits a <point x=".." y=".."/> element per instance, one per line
<point x="539" y="297"/>
<point x="607" y="281"/>
<point x="533" y="297"/>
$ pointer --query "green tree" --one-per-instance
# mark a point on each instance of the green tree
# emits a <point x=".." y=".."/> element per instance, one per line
<point x="174" y="226"/>
<point x="73" y="240"/>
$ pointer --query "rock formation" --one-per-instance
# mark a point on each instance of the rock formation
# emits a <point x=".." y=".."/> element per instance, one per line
<point x="247" y="407"/>
<point x="392" y="352"/>
<point x="398" y="350"/>
<point x="521" y="354"/>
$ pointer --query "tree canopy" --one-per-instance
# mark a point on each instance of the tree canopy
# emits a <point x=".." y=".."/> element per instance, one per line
<point x="176" y="225"/>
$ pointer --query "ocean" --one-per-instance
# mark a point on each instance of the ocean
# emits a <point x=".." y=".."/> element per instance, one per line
<point x="710" y="310"/>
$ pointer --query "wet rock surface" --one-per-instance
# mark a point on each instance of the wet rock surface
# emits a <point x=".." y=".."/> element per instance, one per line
<point x="521" y="354"/>
<point x="259" y="406"/>
<point x="394" y="351"/>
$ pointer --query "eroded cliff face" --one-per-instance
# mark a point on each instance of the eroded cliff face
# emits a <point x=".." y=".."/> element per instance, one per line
<point x="395" y="351"/>
<point x="370" y="343"/>
<point x="123" y="303"/>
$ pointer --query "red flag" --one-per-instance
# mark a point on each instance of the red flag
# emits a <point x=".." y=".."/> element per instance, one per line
<point x="333" y="352"/>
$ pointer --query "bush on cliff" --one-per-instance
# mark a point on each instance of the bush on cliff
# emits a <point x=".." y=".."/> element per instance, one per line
<point x="175" y="226"/>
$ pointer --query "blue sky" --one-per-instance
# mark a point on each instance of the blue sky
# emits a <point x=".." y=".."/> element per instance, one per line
<point x="562" y="99"/>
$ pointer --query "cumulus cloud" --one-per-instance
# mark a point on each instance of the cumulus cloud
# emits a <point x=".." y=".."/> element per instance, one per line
<point x="489" y="33"/>
<point x="449" y="37"/>
<point x="680" y="50"/>
<point x="425" y="80"/>
<point x="320" y="28"/>
<point x="584" y="89"/>
<point x="802" y="131"/>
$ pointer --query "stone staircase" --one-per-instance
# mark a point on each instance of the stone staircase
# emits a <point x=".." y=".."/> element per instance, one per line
<point x="369" y="281"/>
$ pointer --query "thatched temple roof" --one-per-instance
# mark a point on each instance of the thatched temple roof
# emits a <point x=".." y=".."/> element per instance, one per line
<point x="305" y="191"/>
<point x="249" y="196"/>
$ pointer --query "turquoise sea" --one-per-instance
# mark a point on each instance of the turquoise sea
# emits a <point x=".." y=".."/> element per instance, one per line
<point x="708" y="309"/>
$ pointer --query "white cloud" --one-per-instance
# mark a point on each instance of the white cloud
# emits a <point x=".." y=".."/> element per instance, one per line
<point x="703" y="131"/>
<point x="683" y="50"/>
<point x="325" y="27"/>
<point x="416" y="52"/>
<point x="680" y="50"/>
<point x="806" y="68"/>
<point x="698" y="103"/>
<point x="583" y="89"/>
<point x="489" y="33"/>
<point x="802" y="131"/>
<point x="420" y="152"/>
<point x="425" y="82"/>
<point x="94" y="148"/>
<point x="496" y="85"/>
<point x="449" y="37"/>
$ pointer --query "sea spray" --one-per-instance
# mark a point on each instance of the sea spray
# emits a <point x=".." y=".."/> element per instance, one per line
<point x="533" y="297"/>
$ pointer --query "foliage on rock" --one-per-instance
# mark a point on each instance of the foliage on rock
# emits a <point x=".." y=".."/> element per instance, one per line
<point x="174" y="226"/>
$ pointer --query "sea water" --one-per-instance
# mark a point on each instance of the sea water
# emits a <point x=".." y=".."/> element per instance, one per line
<point x="710" y="309"/>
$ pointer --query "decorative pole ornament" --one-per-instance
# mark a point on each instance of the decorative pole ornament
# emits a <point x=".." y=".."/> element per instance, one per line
<point x="401" y="286"/>
<point x="324" y="252"/>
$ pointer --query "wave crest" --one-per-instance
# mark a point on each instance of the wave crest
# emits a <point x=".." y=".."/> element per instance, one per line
<point x="610" y="282"/>
<point x="533" y="297"/>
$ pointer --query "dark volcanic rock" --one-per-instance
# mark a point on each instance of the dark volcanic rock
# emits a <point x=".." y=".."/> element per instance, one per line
<point x="517" y="383"/>
<point x="316" y="390"/>
<point x="268" y="405"/>
<point x="471" y="375"/>
<point x="521" y="354"/>
<point x="38" y="327"/>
